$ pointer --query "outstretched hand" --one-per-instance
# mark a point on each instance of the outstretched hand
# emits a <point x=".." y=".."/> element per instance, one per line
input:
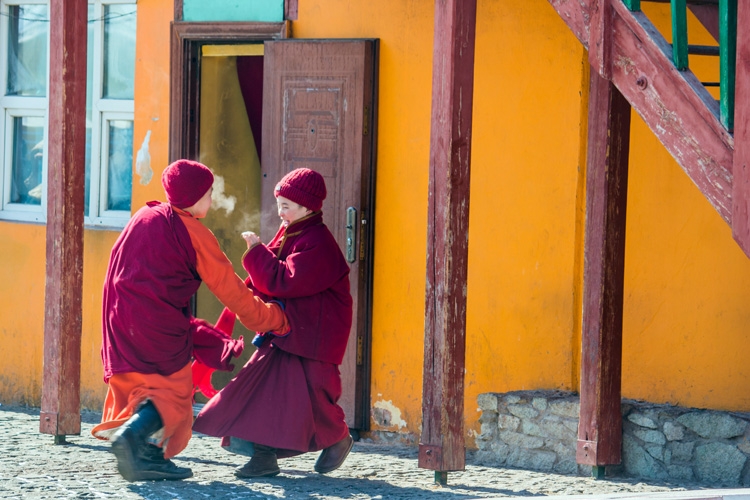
<point x="251" y="238"/>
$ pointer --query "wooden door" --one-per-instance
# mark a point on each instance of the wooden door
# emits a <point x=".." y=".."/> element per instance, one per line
<point x="318" y="113"/>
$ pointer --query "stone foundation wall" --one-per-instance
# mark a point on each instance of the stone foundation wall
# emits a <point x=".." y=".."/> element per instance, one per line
<point x="538" y="430"/>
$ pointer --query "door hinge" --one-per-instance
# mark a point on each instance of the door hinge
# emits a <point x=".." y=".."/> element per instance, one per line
<point x="360" y="348"/>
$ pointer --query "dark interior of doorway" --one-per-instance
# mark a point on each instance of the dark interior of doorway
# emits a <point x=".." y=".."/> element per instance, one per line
<point x="250" y="76"/>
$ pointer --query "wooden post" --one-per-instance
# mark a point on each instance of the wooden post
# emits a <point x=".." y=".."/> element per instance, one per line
<point x="708" y="15"/>
<point x="178" y="10"/>
<point x="741" y="181"/>
<point x="442" y="443"/>
<point x="60" y="413"/>
<point x="600" y="424"/>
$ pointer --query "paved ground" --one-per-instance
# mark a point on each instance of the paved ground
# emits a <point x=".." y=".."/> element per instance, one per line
<point x="32" y="466"/>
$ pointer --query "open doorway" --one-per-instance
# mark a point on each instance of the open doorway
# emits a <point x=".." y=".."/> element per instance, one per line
<point x="230" y="118"/>
<point x="253" y="111"/>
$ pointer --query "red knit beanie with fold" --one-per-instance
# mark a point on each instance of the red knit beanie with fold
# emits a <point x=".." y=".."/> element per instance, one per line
<point x="303" y="186"/>
<point x="185" y="182"/>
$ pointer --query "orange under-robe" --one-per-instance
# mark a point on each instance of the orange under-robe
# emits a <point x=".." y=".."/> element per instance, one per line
<point x="172" y="394"/>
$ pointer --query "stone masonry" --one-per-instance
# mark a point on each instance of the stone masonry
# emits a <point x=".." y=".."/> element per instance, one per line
<point x="537" y="430"/>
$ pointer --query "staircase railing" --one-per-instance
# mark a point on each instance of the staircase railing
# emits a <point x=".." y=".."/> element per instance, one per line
<point x="727" y="49"/>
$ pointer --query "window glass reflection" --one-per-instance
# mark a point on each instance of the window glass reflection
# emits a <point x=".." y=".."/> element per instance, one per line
<point x="27" y="50"/>
<point x="28" y="152"/>
<point x="119" y="51"/>
<point x="120" y="162"/>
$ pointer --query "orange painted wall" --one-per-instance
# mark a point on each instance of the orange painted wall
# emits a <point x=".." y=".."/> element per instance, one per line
<point x="22" y="274"/>
<point x="522" y="241"/>
<point x="22" y="311"/>
<point x="685" y="334"/>
<point x="685" y="325"/>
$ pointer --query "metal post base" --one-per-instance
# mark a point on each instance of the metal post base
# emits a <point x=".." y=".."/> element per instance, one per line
<point x="441" y="478"/>
<point x="597" y="472"/>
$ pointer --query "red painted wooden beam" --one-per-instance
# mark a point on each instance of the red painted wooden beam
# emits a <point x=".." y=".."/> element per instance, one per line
<point x="674" y="105"/>
<point x="60" y="413"/>
<point x="741" y="183"/>
<point x="442" y="446"/>
<point x="708" y="15"/>
<point x="290" y="10"/>
<point x="178" y="10"/>
<point x="600" y="419"/>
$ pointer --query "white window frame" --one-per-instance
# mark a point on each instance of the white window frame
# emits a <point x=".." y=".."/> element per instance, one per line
<point x="22" y="211"/>
<point x="101" y="182"/>
<point x="102" y="111"/>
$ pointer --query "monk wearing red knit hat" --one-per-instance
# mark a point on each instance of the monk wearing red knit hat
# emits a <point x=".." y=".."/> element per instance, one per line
<point x="284" y="401"/>
<point x="149" y="335"/>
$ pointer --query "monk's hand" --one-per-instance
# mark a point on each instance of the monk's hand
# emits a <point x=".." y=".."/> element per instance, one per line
<point x="251" y="238"/>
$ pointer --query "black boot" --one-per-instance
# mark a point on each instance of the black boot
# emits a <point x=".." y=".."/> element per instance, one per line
<point x="263" y="463"/>
<point x="134" y="460"/>
<point x="155" y="466"/>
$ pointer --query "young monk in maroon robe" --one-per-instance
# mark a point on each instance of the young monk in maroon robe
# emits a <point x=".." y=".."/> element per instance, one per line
<point x="284" y="400"/>
<point x="156" y="266"/>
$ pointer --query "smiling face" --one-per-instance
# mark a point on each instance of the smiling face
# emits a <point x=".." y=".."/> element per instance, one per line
<point x="290" y="211"/>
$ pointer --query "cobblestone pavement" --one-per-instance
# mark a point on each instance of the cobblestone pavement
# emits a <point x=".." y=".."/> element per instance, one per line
<point x="32" y="466"/>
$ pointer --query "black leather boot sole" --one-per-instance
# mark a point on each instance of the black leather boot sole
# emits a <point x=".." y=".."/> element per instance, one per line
<point x="136" y="461"/>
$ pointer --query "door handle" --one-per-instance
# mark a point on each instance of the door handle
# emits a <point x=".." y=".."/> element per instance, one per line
<point x="351" y="234"/>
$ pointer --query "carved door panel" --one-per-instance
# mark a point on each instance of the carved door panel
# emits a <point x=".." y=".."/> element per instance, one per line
<point x="318" y="113"/>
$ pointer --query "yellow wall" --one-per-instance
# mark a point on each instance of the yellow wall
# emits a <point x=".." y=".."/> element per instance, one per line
<point x="686" y="315"/>
<point x="685" y="334"/>
<point x="525" y="157"/>
<point x="22" y="273"/>
<point x="152" y="94"/>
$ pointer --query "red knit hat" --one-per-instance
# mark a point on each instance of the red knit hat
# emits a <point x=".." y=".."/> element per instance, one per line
<point x="303" y="186"/>
<point x="185" y="182"/>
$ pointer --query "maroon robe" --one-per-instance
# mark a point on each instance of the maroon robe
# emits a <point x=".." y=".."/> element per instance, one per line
<point x="286" y="395"/>
<point x="147" y="290"/>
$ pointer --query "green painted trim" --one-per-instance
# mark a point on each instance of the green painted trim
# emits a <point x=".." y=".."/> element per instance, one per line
<point x="679" y="34"/>
<point x="264" y="11"/>
<point x="632" y="5"/>
<point x="728" y="59"/>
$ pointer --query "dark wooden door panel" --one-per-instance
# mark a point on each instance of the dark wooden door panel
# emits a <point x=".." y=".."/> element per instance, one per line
<point x="318" y="97"/>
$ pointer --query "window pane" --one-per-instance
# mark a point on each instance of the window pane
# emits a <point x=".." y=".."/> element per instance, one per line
<point x="119" y="51"/>
<point x="27" y="50"/>
<point x="26" y="170"/>
<point x="120" y="165"/>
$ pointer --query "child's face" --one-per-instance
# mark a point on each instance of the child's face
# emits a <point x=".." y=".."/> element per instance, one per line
<point x="290" y="211"/>
<point x="202" y="206"/>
